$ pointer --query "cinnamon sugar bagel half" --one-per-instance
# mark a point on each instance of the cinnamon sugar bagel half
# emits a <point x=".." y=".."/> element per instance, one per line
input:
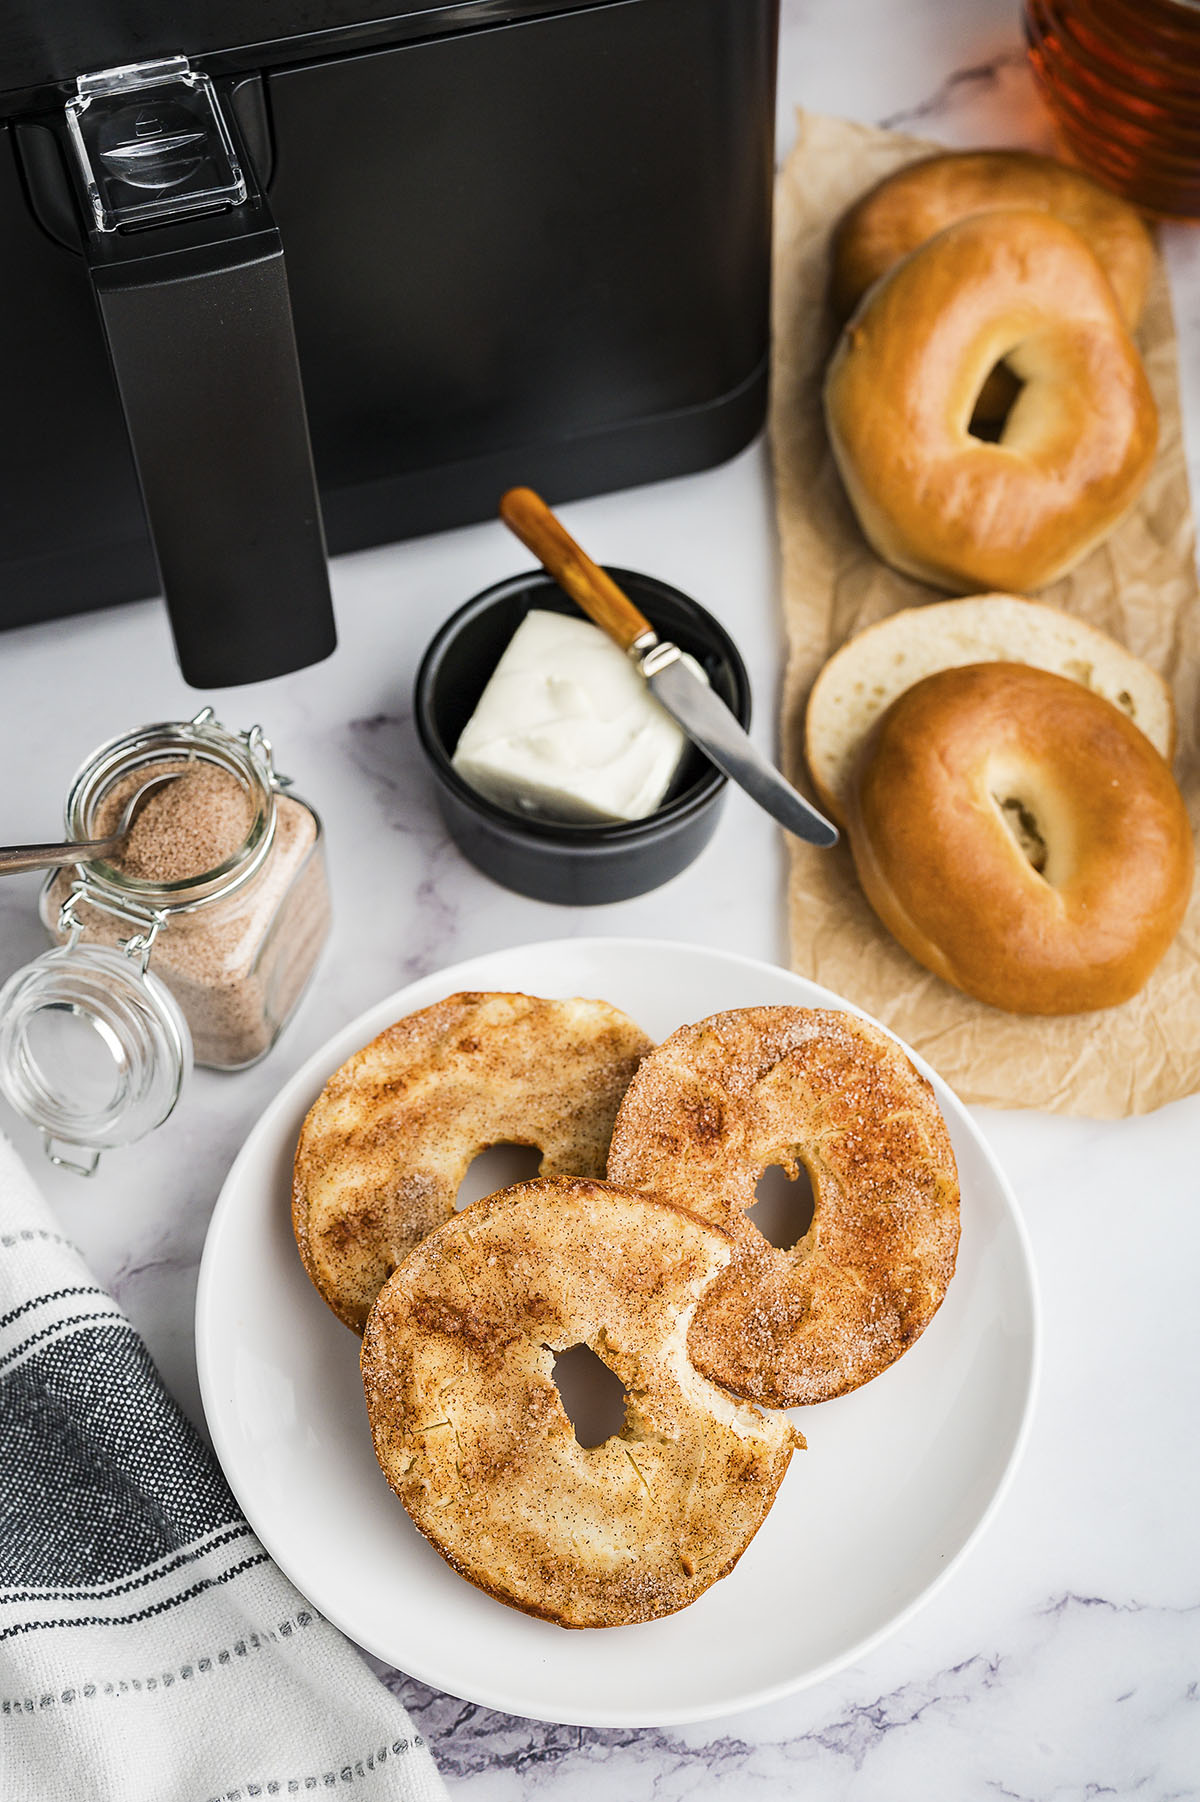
<point x="388" y="1141"/>
<point x="470" y="1431"/>
<point x="719" y="1102"/>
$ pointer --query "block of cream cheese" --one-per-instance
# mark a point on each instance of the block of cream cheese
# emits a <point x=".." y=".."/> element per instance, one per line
<point x="567" y="729"/>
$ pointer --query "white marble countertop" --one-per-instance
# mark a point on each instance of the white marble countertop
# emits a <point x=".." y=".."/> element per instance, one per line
<point x="1063" y="1659"/>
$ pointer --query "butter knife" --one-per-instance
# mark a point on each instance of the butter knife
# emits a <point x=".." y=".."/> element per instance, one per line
<point x="704" y="717"/>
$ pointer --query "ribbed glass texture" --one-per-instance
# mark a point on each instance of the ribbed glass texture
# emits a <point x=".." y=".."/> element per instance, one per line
<point x="1122" y="79"/>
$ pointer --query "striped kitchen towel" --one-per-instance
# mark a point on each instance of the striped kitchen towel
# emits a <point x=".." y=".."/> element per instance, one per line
<point x="149" y="1649"/>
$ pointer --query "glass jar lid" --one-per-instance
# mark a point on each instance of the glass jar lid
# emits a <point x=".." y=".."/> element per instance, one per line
<point x="94" y="1050"/>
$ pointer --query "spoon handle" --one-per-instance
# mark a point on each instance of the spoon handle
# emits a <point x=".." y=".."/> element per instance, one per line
<point x="14" y="858"/>
<point x="590" y="587"/>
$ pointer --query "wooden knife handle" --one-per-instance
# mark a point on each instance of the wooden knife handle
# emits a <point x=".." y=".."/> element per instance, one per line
<point x="527" y="514"/>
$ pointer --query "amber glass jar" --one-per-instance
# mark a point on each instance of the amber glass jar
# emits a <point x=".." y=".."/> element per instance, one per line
<point x="1122" y="80"/>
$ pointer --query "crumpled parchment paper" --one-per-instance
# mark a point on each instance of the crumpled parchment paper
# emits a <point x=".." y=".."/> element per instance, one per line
<point x="1140" y="585"/>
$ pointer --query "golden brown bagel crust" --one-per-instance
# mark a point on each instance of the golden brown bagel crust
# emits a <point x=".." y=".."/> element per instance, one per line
<point x="1075" y="450"/>
<point x="389" y="1139"/>
<point x="904" y="209"/>
<point x="720" y="1101"/>
<point x="947" y="875"/>
<point x="869" y="671"/>
<point x="470" y="1431"/>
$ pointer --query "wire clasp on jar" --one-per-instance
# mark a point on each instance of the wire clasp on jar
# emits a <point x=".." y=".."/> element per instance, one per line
<point x="149" y="921"/>
<point x="257" y="744"/>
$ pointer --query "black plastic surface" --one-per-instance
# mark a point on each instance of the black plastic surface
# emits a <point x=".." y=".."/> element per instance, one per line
<point x="200" y="334"/>
<point x="531" y="251"/>
<point x="44" y="43"/>
<point x="575" y="865"/>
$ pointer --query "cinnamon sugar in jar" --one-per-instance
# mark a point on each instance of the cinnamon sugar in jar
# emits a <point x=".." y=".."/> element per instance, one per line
<point x="194" y="943"/>
<point x="221" y="865"/>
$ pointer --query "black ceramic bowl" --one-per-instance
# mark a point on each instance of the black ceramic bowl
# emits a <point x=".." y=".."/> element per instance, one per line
<point x="553" y="861"/>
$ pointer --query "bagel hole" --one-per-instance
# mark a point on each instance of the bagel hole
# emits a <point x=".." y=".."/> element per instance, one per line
<point x="783" y="1206"/>
<point x="994" y="403"/>
<point x="1021" y="821"/>
<point x="593" y="1398"/>
<point x="497" y="1167"/>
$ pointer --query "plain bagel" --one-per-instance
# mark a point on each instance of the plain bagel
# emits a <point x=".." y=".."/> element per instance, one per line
<point x="868" y="672"/>
<point x="924" y="197"/>
<point x="1021" y="838"/>
<point x="1075" y="449"/>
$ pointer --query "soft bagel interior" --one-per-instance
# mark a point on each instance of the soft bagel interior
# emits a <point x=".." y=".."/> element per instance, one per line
<point x="862" y="679"/>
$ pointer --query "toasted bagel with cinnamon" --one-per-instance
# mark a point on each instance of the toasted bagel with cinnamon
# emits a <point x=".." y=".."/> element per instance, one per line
<point x="386" y="1145"/>
<point x="470" y="1431"/>
<point x="717" y="1103"/>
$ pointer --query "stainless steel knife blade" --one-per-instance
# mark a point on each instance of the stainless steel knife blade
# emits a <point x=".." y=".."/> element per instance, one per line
<point x="709" y="723"/>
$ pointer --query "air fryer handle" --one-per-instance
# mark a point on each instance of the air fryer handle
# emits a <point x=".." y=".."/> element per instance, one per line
<point x="199" y="328"/>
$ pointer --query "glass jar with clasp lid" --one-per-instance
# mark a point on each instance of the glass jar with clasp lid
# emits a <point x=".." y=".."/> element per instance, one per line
<point x="195" y="942"/>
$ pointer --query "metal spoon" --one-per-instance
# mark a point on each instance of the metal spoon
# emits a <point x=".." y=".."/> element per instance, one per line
<point x="43" y="857"/>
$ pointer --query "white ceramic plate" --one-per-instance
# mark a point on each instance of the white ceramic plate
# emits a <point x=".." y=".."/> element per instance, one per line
<point x="899" y="1478"/>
